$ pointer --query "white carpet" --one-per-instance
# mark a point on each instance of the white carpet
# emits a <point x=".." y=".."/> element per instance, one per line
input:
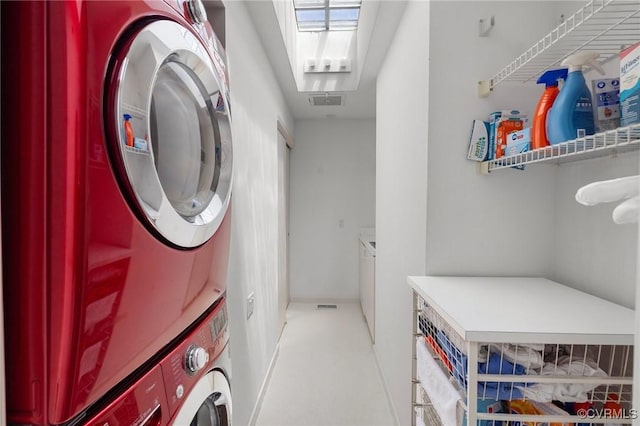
<point x="326" y="372"/>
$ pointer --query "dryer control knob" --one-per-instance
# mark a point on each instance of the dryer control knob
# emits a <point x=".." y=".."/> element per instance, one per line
<point x="197" y="12"/>
<point x="195" y="359"/>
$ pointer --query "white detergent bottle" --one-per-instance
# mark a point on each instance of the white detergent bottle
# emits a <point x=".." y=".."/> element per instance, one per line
<point x="571" y="115"/>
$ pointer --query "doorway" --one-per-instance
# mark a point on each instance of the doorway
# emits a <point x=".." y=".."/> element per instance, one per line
<point x="285" y="143"/>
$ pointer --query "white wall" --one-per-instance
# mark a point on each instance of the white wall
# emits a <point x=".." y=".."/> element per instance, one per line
<point x="512" y="223"/>
<point x="592" y="253"/>
<point x="366" y="22"/>
<point x="288" y="24"/>
<point x="503" y="223"/>
<point x="216" y="17"/>
<point x="257" y="104"/>
<point x="332" y="194"/>
<point x="439" y="216"/>
<point x="401" y="196"/>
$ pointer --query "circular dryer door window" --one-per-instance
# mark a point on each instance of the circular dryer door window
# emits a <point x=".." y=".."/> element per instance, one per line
<point x="173" y="130"/>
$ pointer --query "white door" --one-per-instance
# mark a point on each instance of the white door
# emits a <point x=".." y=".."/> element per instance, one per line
<point x="283" y="229"/>
<point x="367" y="287"/>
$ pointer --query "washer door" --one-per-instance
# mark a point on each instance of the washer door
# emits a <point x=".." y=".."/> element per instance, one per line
<point x="208" y="403"/>
<point x="173" y="128"/>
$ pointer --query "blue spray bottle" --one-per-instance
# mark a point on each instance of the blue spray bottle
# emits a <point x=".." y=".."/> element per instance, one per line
<point x="571" y="115"/>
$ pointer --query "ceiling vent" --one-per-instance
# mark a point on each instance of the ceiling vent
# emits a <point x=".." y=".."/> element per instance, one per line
<point x="326" y="100"/>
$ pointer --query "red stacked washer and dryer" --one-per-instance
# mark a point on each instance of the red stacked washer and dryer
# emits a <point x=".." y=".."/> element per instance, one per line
<point x="116" y="181"/>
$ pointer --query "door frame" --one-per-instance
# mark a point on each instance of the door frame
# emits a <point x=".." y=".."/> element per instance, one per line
<point x="283" y="289"/>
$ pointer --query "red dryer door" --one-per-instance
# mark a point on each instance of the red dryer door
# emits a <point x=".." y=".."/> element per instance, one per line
<point x="171" y="119"/>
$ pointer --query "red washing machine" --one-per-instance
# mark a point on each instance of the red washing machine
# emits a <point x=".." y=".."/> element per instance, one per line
<point x="116" y="183"/>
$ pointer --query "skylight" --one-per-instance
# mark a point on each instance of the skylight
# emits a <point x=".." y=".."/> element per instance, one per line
<point x="326" y="15"/>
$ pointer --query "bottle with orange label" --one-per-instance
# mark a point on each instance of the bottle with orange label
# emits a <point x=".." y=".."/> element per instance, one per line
<point x="128" y="130"/>
<point x="539" y="127"/>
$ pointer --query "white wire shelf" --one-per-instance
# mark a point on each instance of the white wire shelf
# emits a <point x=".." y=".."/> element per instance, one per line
<point x="606" y="26"/>
<point x="136" y="150"/>
<point x="620" y="140"/>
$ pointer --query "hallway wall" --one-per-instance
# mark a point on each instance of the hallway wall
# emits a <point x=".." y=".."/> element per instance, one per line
<point x="401" y="196"/>
<point x="254" y="240"/>
<point x="332" y="195"/>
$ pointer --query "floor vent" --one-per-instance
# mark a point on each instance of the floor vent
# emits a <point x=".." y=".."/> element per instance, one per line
<point x="327" y="306"/>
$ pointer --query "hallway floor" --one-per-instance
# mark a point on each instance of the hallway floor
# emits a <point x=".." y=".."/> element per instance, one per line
<point x="326" y="372"/>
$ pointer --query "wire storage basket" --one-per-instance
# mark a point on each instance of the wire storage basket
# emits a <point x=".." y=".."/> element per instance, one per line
<point x="425" y="411"/>
<point x="524" y="383"/>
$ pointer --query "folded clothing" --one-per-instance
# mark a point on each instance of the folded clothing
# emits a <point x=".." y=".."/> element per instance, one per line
<point x="496" y="364"/>
<point x="499" y="390"/>
<point x="529" y="356"/>
<point x="565" y="392"/>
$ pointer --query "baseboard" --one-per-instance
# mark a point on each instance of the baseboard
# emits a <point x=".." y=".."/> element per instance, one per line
<point x="256" y="409"/>
<point x="322" y="300"/>
<point x="392" y="407"/>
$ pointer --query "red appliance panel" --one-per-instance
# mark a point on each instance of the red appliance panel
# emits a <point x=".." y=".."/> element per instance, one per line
<point x="144" y="404"/>
<point x="24" y="183"/>
<point x="95" y="292"/>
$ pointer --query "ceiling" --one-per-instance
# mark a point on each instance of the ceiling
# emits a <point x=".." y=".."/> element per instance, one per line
<point x="357" y="104"/>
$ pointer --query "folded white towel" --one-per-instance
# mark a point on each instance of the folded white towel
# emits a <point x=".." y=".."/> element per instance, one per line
<point x="435" y="382"/>
<point x="528" y="356"/>
<point x="565" y="392"/>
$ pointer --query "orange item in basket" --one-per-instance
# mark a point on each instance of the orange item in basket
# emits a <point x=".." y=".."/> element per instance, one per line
<point x="435" y="347"/>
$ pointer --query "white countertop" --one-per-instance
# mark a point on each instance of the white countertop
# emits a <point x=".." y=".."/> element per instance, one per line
<point x="367" y="236"/>
<point x="369" y="246"/>
<point x="525" y="310"/>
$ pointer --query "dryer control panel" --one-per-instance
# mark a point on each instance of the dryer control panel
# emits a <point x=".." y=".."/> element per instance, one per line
<point x="195" y="356"/>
